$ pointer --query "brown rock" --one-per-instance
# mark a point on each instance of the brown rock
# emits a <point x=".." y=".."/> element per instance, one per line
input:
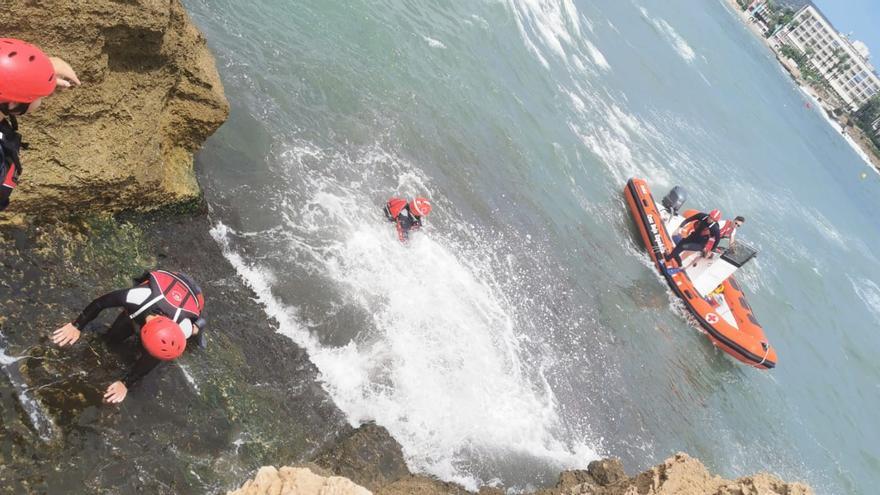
<point x="678" y="475"/>
<point x="684" y="475"/>
<point x="606" y="471"/>
<point x="369" y="456"/>
<point x="421" y="485"/>
<point x="762" y="483"/>
<point x="297" y="481"/>
<point x="573" y="478"/>
<point x="124" y="139"/>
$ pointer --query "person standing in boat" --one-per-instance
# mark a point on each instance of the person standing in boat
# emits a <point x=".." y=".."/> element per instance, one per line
<point x="728" y="231"/>
<point x="706" y="233"/>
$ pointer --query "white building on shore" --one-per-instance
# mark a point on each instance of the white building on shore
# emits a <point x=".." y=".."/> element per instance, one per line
<point x="758" y="12"/>
<point x="843" y="63"/>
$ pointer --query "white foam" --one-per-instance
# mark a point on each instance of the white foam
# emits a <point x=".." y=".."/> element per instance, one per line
<point x="597" y="56"/>
<point x="41" y="421"/>
<point x="554" y="28"/>
<point x="547" y="25"/>
<point x="827" y="229"/>
<point x="433" y="43"/>
<point x="612" y="26"/>
<point x="705" y="80"/>
<point x="869" y="293"/>
<point x="681" y="46"/>
<point x="586" y="21"/>
<point x="579" y="104"/>
<point x="4" y="359"/>
<point x="441" y="362"/>
<point x="189" y="378"/>
<point x="481" y="21"/>
<point x="629" y="145"/>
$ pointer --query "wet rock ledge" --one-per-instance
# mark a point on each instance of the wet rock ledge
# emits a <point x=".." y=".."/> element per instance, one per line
<point x="370" y="461"/>
<point x="150" y="96"/>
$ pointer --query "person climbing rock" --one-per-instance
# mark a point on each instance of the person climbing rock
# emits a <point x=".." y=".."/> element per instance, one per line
<point x="407" y="217"/>
<point x="27" y="75"/>
<point x="165" y="306"/>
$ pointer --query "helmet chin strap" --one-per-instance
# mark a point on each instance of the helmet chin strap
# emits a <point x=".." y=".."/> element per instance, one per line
<point x="20" y="108"/>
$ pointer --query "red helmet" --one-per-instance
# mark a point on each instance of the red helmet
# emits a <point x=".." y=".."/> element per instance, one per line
<point x="715" y="215"/>
<point x="26" y="73"/>
<point x="420" y="206"/>
<point x="163" y="338"/>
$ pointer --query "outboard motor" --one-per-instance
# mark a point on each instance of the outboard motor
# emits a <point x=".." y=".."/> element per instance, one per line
<point x="674" y="200"/>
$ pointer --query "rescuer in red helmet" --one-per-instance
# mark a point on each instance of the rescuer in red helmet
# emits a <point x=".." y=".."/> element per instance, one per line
<point x="27" y="75"/>
<point x="706" y="228"/>
<point x="166" y="306"/>
<point x="407" y="216"/>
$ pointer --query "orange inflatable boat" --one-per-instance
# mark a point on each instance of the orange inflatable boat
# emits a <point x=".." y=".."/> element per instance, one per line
<point x="705" y="285"/>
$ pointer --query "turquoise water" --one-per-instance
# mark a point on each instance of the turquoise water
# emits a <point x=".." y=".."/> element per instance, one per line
<point x="525" y="332"/>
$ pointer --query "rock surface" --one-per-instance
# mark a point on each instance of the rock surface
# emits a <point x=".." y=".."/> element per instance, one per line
<point x="678" y="475"/>
<point x="368" y="455"/>
<point x="298" y="481"/>
<point x="200" y="425"/>
<point x="124" y="139"/>
<point x="372" y="458"/>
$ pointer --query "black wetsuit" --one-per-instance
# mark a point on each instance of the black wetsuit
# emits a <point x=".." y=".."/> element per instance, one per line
<point x="124" y="326"/>
<point x="405" y="221"/>
<point x="705" y="229"/>
<point x="10" y="164"/>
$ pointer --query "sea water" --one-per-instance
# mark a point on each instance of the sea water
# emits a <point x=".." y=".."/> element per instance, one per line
<point x="524" y="331"/>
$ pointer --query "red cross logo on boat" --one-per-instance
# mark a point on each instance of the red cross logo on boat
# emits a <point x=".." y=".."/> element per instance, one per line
<point x="712" y="318"/>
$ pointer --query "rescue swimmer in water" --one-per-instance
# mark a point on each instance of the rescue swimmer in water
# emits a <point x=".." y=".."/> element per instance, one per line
<point x="27" y="75"/>
<point x="407" y="216"/>
<point x="166" y="307"/>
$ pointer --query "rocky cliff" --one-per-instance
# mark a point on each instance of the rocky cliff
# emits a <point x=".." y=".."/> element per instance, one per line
<point x="150" y="96"/>
<point x="374" y="463"/>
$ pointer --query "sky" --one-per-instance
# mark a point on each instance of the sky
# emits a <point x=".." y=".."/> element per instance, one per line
<point x="860" y="17"/>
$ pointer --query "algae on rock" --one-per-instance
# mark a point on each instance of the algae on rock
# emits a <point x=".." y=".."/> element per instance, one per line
<point x="198" y="425"/>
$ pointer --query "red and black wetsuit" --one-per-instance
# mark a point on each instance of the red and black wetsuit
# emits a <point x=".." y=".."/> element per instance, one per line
<point x="141" y="301"/>
<point x="397" y="210"/>
<point x="10" y="165"/>
<point x="697" y="240"/>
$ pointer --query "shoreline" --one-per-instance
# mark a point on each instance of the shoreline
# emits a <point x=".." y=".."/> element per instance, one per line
<point x="370" y="461"/>
<point x="852" y="135"/>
